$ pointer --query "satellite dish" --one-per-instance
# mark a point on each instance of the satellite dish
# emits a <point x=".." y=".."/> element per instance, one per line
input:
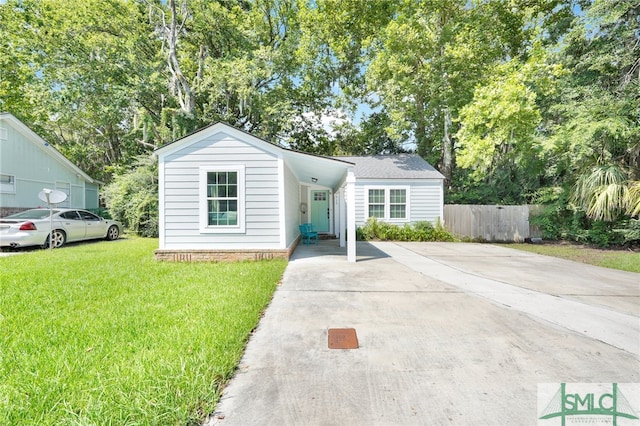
<point x="52" y="196"/>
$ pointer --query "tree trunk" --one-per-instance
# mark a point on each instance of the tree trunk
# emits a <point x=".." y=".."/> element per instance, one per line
<point x="182" y="87"/>
<point x="421" y="128"/>
<point x="447" y="150"/>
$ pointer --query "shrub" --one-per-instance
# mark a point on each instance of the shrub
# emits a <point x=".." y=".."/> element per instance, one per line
<point x="562" y="222"/>
<point x="601" y="234"/>
<point x="420" y="231"/>
<point x="629" y="231"/>
<point x="132" y="197"/>
<point x="441" y="234"/>
<point x="102" y="212"/>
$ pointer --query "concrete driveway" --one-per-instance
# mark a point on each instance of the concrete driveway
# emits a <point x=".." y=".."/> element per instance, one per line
<point x="449" y="333"/>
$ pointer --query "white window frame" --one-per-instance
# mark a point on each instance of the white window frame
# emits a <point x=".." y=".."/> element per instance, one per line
<point x="387" y="203"/>
<point x="369" y="202"/>
<point x="205" y="228"/>
<point x="10" y="187"/>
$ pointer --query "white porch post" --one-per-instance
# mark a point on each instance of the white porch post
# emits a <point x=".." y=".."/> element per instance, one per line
<point x="342" y="222"/>
<point x="351" y="216"/>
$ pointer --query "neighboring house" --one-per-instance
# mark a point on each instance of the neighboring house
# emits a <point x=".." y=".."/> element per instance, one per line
<point x="28" y="164"/>
<point x="228" y="195"/>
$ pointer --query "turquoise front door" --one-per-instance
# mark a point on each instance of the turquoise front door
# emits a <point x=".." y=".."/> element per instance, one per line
<point x="320" y="210"/>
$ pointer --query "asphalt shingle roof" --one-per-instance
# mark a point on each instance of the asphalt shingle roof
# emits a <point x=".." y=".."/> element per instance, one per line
<point x="399" y="166"/>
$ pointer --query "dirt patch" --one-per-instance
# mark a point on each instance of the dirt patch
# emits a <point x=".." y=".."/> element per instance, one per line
<point x="623" y="258"/>
<point x="634" y="248"/>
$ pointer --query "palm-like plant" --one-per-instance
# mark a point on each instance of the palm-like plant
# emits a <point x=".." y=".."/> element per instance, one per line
<point x="606" y="192"/>
<point x="634" y="198"/>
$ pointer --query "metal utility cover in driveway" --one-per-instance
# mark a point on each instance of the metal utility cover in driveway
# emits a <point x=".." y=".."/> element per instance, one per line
<point x="343" y="338"/>
<point x="436" y="349"/>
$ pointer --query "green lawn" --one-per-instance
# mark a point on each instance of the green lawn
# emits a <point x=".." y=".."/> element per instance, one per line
<point x="101" y="333"/>
<point x="624" y="260"/>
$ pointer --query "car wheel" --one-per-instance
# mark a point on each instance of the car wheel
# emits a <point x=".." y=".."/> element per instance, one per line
<point x="113" y="233"/>
<point x="58" y="238"/>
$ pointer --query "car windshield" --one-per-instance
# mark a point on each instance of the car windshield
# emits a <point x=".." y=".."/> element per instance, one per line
<point x="32" y="214"/>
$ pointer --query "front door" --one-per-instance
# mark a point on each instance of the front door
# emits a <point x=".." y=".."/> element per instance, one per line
<point x="320" y="210"/>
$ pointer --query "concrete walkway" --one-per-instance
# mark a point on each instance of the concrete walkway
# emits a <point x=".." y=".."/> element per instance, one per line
<point x="449" y="334"/>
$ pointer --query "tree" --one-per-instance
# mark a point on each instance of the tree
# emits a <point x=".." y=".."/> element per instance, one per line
<point x="468" y="83"/>
<point x="594" y="132"/>
<point x="498" y="126"/>
<point x="432" y="56"/>
<point x="370" y="137"/>
<point x="231" y="61"/>
<point x="79" y="65"/>
<point x="105" y="81"/>
<point x="497" y="135"/>
<point x="337" y="39"/>
<point x="308" y="133"/>
<point x="132" y="196"/>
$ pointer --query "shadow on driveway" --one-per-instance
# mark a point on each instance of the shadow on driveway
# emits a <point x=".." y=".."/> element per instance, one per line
<point x="365" y="250"/>
<point x="433" y="351"/>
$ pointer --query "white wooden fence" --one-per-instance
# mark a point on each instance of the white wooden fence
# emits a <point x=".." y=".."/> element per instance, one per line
<point x="490" y="222"/>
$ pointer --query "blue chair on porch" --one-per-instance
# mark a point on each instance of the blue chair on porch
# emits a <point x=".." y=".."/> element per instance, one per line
<point x="307" y="233"/>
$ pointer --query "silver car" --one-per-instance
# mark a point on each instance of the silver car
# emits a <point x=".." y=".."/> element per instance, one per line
<point x="32" y="227"/>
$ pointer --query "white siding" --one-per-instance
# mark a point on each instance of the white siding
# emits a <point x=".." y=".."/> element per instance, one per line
<point x="182" y="195"/>
<point x="425" y="198"/>
<point x="292" y="204"/>
<point x="426" y="201"/>
<point x="304" y="198"/>
<point x="361" y="217"/>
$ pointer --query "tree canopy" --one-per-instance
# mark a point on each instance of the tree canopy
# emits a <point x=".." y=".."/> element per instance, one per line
<point x="515" y="101"/>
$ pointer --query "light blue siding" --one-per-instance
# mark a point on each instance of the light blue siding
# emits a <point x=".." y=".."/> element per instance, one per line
<point x="36" y="165"/>
<point x="91" y="198"/>
<point x="76" y="199"/>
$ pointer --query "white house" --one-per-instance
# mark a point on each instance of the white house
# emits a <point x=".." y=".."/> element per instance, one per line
<point x="397" y="189"/>
<point x="228" y="195"/>
<point x="29" y="163"/>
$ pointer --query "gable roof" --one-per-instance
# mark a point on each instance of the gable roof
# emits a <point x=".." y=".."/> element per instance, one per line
<point x="399" y="166"/>
<point x="45" y="146"/>
<point x="308" y="168"/>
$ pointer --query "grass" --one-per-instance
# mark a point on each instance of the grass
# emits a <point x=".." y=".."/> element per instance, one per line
<point x="103" y="334"/>
<point x="624" y="260"/>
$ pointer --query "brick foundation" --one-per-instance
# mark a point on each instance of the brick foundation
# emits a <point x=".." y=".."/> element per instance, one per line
<point x="223" y="255"/>
<point x="6" y="211"/>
